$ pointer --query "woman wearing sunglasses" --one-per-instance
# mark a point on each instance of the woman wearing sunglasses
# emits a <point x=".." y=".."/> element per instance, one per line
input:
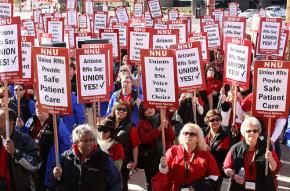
<point x="190" y="164"/>
<point x="217" y="138"/>
<point x="149" y="129"/>
<point x="107" y="142"/>
<point x="245" y="162"/>
<point x="127" y="135"/>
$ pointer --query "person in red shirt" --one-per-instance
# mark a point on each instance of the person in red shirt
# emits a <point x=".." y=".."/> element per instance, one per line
<point x="246" y="160"/>
<point x="190" y="164"/>
<point x="127" y="135"/>
<point x="107" y="142"/>
<point x="150" y="130"/>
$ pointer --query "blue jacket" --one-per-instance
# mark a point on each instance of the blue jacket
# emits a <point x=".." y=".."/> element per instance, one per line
<point x="287" y="133"/>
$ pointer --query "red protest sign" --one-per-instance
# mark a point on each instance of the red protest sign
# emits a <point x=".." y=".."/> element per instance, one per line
<point x="237" y="62"/>
<point x="52" y="80"/>
<point x="138" y="10"/>
<point x="190" y="67"/>
<point x="173" y="14"/>
<point x="113" y="36"/>
<point x="45" y="38"/>
<point x="113" y="19"/>
<point x="99" y="21"/>
<point x="182" y="26"/>
<point x="36" y="15"/>
<point x="206" y="19"/>
<point x="10" y="48"/>
<point x="202" y="38"/>
<point x="271" y="89"/>
<point x="163" y="38"/>
<point x="159" y="24"/>
<point x="269" y="35"/>
<point x="27" y="70"/>
<point x="123" y="33"/>
<point x="82" y="22"/>
<point x="159" y="78"/>
<point x="55" y="26"/>
<point x="138" y="39"/>
<point x="72" y="17"/>
<point x="233" y="8"/>
<point x="148" y="19"/>
<point x="6" y="8"/>
<point x="92" y="78"/>
<point x="109" y="49"/>
<point x="29" y="25"/>
<point x="154" y="8"/>
<point x="213" y="34"/>
<point x="122" y="14"/>
<point x="80" y="36"/>
<point x="137" y="22"/>
<point x="282" y="47"/>
<point x="234" y="27"/>
<point x="71" y="4"/>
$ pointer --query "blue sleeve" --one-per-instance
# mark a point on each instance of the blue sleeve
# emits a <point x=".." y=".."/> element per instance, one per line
<point x="113" y="176"/>
<point x="79" y="112"/>
<point x="31" y="106"/>
<point x="111" y="103"/>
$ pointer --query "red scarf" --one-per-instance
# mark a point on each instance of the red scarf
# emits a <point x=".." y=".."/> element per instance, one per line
<point x="4" y="169"/>
<point x="82" y="157"/>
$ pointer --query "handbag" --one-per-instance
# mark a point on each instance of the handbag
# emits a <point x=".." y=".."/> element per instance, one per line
<point x="146" y="156"/>
<point x="160" y="182"/>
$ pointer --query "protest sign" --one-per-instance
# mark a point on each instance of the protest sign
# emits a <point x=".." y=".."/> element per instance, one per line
<point x="218" y="15"/>
<point x="122" y="14"/>
<point x="70" y="4"/>
<point x="163" y="38"/>
<point x="237" y="62"/>
<point x="148" y="19"/>
<point x="92" y="78"/>
<point x="269" y="35"/>
<point x="182" y="26"/>
<point x="213" y="34"/>
<point x="71" y="33"/>
<point x="234" y="27"/>
<point x="6" y="8"/>
<point x="105" y="7"/>
<point x="262" y="12"/>
<point x="55" y="26"/>
<point x="45" y="38"/>
<point x="52" y="80"/>
<point x="255" y="23"/>
<point x="138" y="10"/>
<point x="271" y="89"/>
<point x="137" y="22"/>
<point x="233" y="9"/>
<point x="24" y="31"/>
<point x="36" y="15"/>
<point x="206" y="19"/>
<point x="10" y="48"/>
<point x="190" y="67"/>
<point x="282" y="47"/>
<point x="123" y="31"/>
<point x="112" y="19"/>
<point x="89" y="9"/>
<point x="202" y="38"/>
<point x="138" y="39"/>
<point x="43" y="22"/>
<point x="159" y="24"/>
<point x="189" y="22"/>
<point x="81" y="36"/>
<point x="29" y="25"/>
<point x="27" y="70"/>
<point x="154" y="8"/>
<point x="72" y="17"/>
<point x="113" y="36"/>
<point x="109" y="49"/>
<point x="173" y="14"/>
<point x="100" y="21"/>
<point x="82" y="22"/>
<point x="159" y="78"/>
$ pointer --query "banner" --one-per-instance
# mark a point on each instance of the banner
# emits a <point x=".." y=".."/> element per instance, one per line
<point x="159" y="78"/>
<point x="269" y="35"/>
<point x="138" y="39"/>
<point x="237" y="62"/>
<point x="163" y="38"/>
<point x="202" y="38"/>
<point x="113" y="36"/>
<point x="271" y="89"/>
<point x="92" y="78"/>
<point x="190" y="67"/>
<point x="10" y="48"/>
<point x="52" y="80"/>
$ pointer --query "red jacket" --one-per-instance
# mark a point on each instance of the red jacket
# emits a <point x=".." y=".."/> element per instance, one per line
<point x="148" y="134"/>
<point x="203" y="165"/>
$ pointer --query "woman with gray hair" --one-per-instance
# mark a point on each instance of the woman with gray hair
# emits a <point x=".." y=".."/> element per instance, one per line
<point x="190" y="164"/>
<point x="85" y="166"/>
<point x="245" y="162"/>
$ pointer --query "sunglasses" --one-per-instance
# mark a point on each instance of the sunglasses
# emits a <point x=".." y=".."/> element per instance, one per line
<point x="214" y="119"/>
<point x="191" y="134"/>
<point x="252" y="130"/>
<point x="103" y="130"/>
<point x="18" y="90"/>
<point x="121" y="109"/>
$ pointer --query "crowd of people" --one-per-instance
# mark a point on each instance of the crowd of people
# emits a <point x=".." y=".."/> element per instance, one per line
<point x="204" y="142"/>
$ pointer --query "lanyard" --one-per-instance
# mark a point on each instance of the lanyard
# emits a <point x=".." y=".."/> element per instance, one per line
<point x="251" y="163"/>
<point x="187" y="167"/>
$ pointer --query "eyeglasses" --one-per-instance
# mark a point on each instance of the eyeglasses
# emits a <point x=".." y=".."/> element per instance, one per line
<point x="252" y="130"/>
<point x="121" y="109"/>
<point x="87" y="141"/>
<point x="191" y="134"/>
<point x="103" y="130"/>
<point x="215" y="119"/>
